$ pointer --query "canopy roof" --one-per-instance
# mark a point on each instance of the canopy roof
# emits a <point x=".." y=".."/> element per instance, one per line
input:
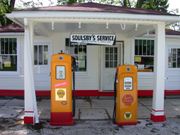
<point x="96" y="7"/>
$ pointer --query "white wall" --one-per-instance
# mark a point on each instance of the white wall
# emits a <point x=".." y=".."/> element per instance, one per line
<point x="89" y="80"/>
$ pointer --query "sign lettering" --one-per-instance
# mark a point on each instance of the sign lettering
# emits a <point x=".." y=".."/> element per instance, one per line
<point x="86" y="39"/>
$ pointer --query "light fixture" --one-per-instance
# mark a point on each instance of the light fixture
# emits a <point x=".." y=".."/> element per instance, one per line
<point x="147" y="33"/>
<point x="107" y="25"/>
<point x="79" y="25"/>
<point x="123" y="26"/>
<point x="136" y="27"/>
<point x="52" y="25"/>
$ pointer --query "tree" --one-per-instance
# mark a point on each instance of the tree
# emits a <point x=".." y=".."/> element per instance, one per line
<point x="125" y="3"/>
<point x="158" y="5"/>
<point x="5" y="7"/>
<point x="139" y="3"/>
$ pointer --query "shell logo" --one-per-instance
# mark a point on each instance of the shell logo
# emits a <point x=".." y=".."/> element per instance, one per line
<point x="127" y="99"/>
<point x="60" y="93"/>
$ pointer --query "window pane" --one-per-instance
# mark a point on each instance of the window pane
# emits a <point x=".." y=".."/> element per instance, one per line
<point x="170" y="58"/>
<point x="6" y="46"/>
<point x="144" y="47"/>
<point x="115" y="63"/>
<point x="107" y="64"/>
<point x="107" y="50"/>
<point x="2" y="46"/>
<point x="45" y="55"/>
<point x="115" y="56"/>
<point x="10" y="46"/>
<point x="14" y="51"/>
<point x="35" y="55"/>
<point x="107" y="57"/>
<point x="111" y="50"/>
<point x="136" y="47"/>
<point x="140" y="47"/>
<point x="111" y="64"/>
<point x="152" y="47"/>
<point x="111" y="57"/>
<point x="115" y="50"/>
<point x="8" y="58"/>
<point x="148" y="47"/>
<point x="8" y="63"/>
<point x="146" y="64"/>
<point x="178" y="62"/>
<point x="40" y="55"/>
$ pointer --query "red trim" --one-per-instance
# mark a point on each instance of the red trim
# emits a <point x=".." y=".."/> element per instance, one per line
<point x="28" y="120"/>
<point x="11" y="92"/>
<point x="159" y="118"/>
<point x="172" y="92"/>
<point x="61" y="119"/>
<point x="93" y="93"/>
<point x="126" y="123"/>
<point x="46" y="93"/>
<point x="145" y="93"/>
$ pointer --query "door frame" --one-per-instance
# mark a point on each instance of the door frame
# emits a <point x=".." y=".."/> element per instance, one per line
<point x="102" y="60"/>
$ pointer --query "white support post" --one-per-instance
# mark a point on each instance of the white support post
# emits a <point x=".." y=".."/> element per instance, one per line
<point x="31" y="114"/>
<point x="157" y="114"/>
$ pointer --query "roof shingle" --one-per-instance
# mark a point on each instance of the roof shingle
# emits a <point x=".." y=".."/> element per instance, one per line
<point x="96" y="7"/>
<point x="11" y="28"/>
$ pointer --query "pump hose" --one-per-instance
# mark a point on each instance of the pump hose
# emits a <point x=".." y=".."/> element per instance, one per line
<point x="74" y="95"/>
<point x="74" y="101"/>
<point x="114" y="110"/>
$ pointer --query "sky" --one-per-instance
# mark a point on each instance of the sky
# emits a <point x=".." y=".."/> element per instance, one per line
<point x="173" y="4"/>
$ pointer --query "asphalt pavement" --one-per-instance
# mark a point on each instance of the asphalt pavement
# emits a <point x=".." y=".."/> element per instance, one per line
<point x="93" y="117"/>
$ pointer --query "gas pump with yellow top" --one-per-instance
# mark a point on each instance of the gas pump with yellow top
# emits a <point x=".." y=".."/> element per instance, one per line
<point x="126" y="102"/>
<point x="62" y="103"/>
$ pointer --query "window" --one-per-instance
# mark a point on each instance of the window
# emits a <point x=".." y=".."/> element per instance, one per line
<point x="144" y="55"/>
<point x="79" y="52"/>
<point x="111" y="57"/>
<point x="8" y="54"/>
<point x="174" y="58"/>
<point x="40" y="54"/>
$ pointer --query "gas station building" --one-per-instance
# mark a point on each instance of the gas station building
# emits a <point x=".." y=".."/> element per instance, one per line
<point x="116" y="36"/>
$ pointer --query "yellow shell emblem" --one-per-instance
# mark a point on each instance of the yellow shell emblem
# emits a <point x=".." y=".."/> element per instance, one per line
<point x="60" y="93"/>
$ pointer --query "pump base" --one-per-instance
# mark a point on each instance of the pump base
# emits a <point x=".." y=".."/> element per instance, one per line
<point x="61" y="119"/>
<point x="160" y="118"/>
<point x="126" y="123"/>
<point x="28" y="120"/>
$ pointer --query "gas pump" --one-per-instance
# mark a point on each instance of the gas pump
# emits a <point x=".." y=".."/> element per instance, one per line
<point x="62" y="96"/>
<point x="125" y="99"/>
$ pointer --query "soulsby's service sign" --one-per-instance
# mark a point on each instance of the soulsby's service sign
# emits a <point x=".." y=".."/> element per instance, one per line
<point x="98" y="39"/>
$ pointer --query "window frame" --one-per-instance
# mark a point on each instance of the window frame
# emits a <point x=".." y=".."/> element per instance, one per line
<point x="109" y="54"/>
<point x="133" y="56"/>
<point x="18" y="44"/>
<point x="170" y="48"/>
<point x="40" y="44"/>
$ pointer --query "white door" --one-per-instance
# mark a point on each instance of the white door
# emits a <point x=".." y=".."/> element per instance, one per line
<point x="111" y="57"/>
<point x="173" y="68"/>
<point x="42" y="55"/>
